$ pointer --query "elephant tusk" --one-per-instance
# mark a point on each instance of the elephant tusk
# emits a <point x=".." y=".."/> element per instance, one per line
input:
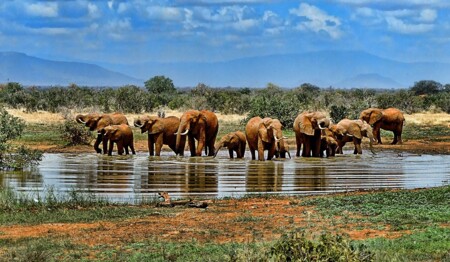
<point x="276" y="139"/>
<point x="184" y="133"/>
<point x="322" y="128"/>
<point x="137" y="125"/>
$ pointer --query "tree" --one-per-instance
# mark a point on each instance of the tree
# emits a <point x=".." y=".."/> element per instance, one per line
<point x="162" y="88"/>
<point x="426" y="87"/>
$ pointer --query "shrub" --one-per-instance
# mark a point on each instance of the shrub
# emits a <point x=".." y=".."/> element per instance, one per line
<point x="12" y="127"/>
<point x="296" y="247"/>
<point x="337" y="113"/>
<point x="75" y="134"/>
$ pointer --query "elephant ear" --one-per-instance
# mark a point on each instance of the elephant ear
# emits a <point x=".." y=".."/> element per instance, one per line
<point x="263" y="134"/>
<point x="306" y="125"/>
<point x="234" y="139"/>
<point x="157" y="127"/>
<point x="355" y="130"/>
<point x="375" y="116"/>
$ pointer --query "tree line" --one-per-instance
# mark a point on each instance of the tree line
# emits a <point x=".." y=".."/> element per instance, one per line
<point x="271" y="101"/>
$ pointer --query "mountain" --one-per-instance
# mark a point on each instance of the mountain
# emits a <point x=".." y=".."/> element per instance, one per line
<point x="324" y="69"/>
<point x="369" y="80"/>
<point x="28" y="70"/>
<point x="343" y="69"/>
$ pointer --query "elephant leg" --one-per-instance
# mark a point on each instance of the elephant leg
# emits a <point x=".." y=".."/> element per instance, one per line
<point x="260" y="150"/>
<point x="230" y="152"/>
<point x="132" y="148"/>
<point x="377" y="133"/>
<point x="298" y="141"/>
<point x="211" y="148"/>
<point x="151" y="148"/>
<point x="358" y="149"/>
<point x="159" y="144"/>
<point x="192" y="145"/>
<point x="315" y="143"/>
<point x="252" y="152"/>
<point x="120" y="147"/>
<point x="271" y="153"/>
<point x="126" y="150"/>
<point x="97" y="143"/>
<point x="111" y="147"/>
<point x="306" y="148"/>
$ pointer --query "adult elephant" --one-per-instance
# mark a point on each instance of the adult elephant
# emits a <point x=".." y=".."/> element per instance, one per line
<point x="308" y="128"/>
<point x="265" y="134"/>
<point x="161" y="131"/>
<point x="202" y="126"/>
<point x="390" y="119"/>
<point x="98" y="122"/>
<point x="122" y="135"/>
<point x="235" y="142"/>
<point x="352" y="130"/>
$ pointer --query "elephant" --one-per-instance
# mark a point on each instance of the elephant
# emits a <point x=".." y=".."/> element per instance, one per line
<point x="307" y="128"/>
<point x="265" y="134"/>
<point x="202" y="126"/>
<point x="390" y="119"/>
<point x="352" y="130"/>
<point x="161" y="131"/>
<point x="234" y="141"/>
<point x="328" y="143"/>
<point x="98" y="122"/>
<point x="122" y="135"/>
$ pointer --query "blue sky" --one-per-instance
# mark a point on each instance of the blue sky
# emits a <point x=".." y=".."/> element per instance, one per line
<point x="139" y="31"/>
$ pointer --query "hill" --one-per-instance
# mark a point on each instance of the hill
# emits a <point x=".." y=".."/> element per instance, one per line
<point x="28" y="70"/>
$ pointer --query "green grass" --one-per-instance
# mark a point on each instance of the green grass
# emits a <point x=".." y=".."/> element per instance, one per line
<point x="401" y="209"/>
<point x="42" y="133"/>
<point x="432" y="244"/>
<point x="74" y="207"/>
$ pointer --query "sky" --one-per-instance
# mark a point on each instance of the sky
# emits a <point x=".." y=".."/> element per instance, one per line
<point x="139" y="31"/>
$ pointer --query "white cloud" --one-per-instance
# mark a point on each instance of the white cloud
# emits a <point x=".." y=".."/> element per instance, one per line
<point x="398" y="25"/>
<point x="93" y="10"/>
<point x="42" y="9"/>
<point x="317" y="20"/>
<point x="165" y="13"/>
<point x="427" y="15"/>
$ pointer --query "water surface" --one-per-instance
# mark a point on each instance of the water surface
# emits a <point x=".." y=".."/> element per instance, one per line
<point x="131" y="178"/>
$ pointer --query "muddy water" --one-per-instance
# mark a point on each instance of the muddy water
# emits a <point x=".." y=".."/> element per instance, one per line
<point x="132" y="178"/>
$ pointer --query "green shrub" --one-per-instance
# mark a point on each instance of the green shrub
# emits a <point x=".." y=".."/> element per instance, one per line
<point x="296" y="247"/>
<point x="75" y="134"/>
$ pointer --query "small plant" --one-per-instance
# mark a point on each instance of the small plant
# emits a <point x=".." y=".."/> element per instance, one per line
<point x="296" y="247"/>
<point x="75" y="133"/>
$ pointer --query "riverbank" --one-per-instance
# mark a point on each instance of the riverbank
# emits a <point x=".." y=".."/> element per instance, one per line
<point x="406" y="225"/>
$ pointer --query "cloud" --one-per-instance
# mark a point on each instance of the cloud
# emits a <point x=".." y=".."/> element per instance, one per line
<point x="42" y="9"/>
<point x="165" y="13"/>
<point x="427" y="15"/>
<point x="317" y="20"/>
<point x="397" y="25"/>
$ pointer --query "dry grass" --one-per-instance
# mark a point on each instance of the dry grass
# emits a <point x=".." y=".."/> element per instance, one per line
<point x="425" y="118"/>
<point x="428" y="118"/>
<point x="41" y="117"/>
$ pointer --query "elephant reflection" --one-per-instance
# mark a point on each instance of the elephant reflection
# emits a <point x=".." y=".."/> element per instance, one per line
<point x="310" y="178"/>
<point x="194" y="176"/>
<point x="113" y="174"/>
<point x="264" y="176"/>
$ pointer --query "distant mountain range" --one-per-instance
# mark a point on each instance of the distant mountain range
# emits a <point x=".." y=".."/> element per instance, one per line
<point x="342" y="69"/>
<point x="28" y="70"/>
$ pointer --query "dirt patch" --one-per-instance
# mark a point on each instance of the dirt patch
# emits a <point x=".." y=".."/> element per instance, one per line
<point x="233" y="220"/>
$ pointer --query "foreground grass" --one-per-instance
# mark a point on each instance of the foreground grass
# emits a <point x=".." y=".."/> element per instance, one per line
<point x="422" y="215"/>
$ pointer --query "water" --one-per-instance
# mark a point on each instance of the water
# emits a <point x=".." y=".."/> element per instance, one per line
<point x="133" y="178"/>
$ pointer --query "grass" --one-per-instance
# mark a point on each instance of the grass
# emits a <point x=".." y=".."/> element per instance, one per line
<point x="424" y="213"/>
<point x="403" y="210"/>
<point x="73" y="207"/>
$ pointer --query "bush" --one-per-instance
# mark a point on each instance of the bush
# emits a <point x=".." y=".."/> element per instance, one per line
<point x="337" y="113"/>
<point x="10" y="128"/>
<point x="75" y="134"/>
<point x="296" y="247"/>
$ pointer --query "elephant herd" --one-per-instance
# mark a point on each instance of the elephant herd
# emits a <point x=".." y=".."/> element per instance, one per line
<point x="315" y="134"/>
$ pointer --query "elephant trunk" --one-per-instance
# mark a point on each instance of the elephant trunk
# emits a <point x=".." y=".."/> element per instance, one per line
<point x="371" y="139"/>
<point x="80" y="119"/>
<point x="183" y="126"/>
<point x="217" y="147"/>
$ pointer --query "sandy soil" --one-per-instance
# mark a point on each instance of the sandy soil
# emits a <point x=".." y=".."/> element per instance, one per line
<point x="234" y="220"/>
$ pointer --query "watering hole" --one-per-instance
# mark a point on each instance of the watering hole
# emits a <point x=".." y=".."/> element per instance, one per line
<point x="138" y="177"/>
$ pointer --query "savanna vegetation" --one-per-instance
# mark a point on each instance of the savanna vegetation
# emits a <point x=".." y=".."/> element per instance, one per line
<point x="380" y="226"/>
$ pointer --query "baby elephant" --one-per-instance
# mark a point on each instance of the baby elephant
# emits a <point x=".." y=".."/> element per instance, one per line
<point x="122" y="135"/>
<point x="234" y="141"/>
